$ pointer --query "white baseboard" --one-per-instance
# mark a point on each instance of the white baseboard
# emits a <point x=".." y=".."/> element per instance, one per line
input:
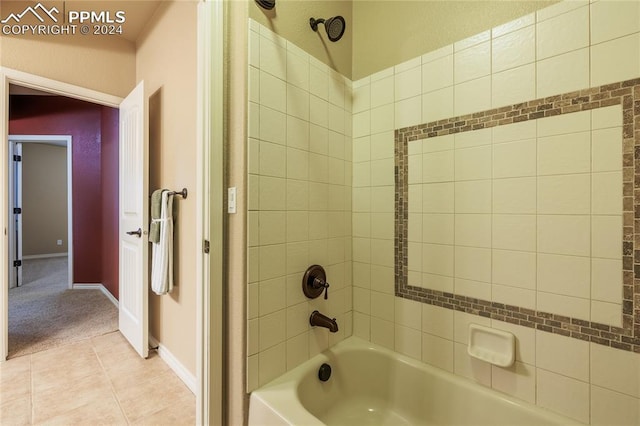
<point x="97" y="286"/>
<point x="44" y="256"/>
<point x="173" y="363"/>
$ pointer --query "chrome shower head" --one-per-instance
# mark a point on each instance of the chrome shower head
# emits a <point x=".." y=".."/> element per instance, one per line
<point x="334" y="26"/>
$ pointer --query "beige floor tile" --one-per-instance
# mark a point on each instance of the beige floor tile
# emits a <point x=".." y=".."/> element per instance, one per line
<point x="182" y="412"/>
<point x="133" y="373"/>
<point x="16" y="412"/>
<point x="15" y="379"/>
<point x="74" y="393"/>
<point x="93" y="382"/>
<point x="151" y="396"/>
<point x="103" y="412"/>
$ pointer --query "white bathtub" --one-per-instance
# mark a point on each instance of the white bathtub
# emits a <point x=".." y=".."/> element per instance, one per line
<point x="371" y="385"/>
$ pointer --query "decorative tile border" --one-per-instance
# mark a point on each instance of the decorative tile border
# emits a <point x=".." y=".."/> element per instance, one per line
<point x="625" y="93"/>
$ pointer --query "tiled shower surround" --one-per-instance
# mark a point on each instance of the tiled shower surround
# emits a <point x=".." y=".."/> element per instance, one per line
<point x="299" y="203"/>
<point x="575" y="64"/>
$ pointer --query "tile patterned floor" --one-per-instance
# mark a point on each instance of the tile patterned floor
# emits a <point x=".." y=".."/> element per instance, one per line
<point x="95" y="381"/>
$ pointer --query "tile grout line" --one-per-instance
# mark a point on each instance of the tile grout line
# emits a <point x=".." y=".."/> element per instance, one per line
<point x="113" y="389"/>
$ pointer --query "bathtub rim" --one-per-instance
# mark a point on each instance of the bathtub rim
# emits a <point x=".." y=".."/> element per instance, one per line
<point x="278" y="394"/>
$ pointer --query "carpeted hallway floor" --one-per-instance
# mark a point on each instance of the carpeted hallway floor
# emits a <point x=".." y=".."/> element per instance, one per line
<point x="44" y="313"/>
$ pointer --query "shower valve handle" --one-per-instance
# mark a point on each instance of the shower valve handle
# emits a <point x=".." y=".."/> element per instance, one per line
<point x="319" y="283"/>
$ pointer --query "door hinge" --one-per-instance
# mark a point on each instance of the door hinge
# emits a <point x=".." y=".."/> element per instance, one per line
<point x="17" y="263"/>
<point x="205" y="247"/>
<point x="17" y="210"/>
<point x="17" y="158"/>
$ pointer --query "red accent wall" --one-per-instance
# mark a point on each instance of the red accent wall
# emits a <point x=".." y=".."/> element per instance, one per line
<point x="54" y="115"/>
<point x="109" y="167"/>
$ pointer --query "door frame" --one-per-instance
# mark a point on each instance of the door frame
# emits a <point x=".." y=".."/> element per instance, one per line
<point x="210" y="218"/>
<point x="58" y="140"/>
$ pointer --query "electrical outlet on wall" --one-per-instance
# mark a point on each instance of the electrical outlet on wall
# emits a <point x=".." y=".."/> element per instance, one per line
<point x="59" y="242"/>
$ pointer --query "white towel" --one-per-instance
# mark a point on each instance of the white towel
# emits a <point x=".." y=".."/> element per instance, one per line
<point x="162" y="260"/>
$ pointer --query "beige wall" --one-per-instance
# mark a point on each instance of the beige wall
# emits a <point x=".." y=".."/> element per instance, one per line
<point x="166" y="61"/>
<point x="389" y="32"/>
<point x="102" y="63"/>
<point x="44" y="180"/>
<point x="290" y="19"/>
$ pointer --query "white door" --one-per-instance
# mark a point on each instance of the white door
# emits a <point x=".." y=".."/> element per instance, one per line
<point x="134" y="167"/>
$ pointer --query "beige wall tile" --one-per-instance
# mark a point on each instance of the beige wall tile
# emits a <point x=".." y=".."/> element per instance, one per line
<point x="563" y="395"/>
<point x="438" y="228"/>
<point x="514" y="159"/>
<point x="562" y="154"/>
<point x="382" y="92"/>
<point x="602" y="118"/>
<point x="437" y="105"/>
<point x="473" y="138"/>
<point x="514" y="268"/>
<point x="271" y="363"/>
<point x="615" y="60"/>
<point x="606" y="313"/>
<point x="382" y="118"/>
<point x="514" y="196"/>
<point x="272" y="329"/>
<point x="437" y="259"/>
<point x="573" y="307"/>
<point x="567" y="275"/>
<point x="473" y="263"/>
<point x="437" y="74"/>
<point x="563" y="33"/>
<point x="606" y="193"/>
<point x="437" y="321"/>
<point x="273" y="126"/>
<point x="437" y="282"/>
<point x="564" y="194"/>
<point x="272" y="295"/>
<point x="273" y="92"/>
<point x="362" y="124"/>
<point x="615" y="370"/>
<point x="408" y="112"/>
<point x="525" y="340"/>
<point x="606" y="238"/>
<point x="408" y="83"/>
<point x="438" y="197"/>
<point x="473" y="196"/>
<point x="382" y="333"/>
<point x="298" y="69"/>
<point x="437" y="351"/>
<point x="567" y="234"/>
<point x="566" y="123"/>
<point x="513" y="296"/>
<point x="461" y="322"/>
<point x="514" y="49"/>
<point x="562" y="73"/>
<point x="514" y="232"/>
<point x="613" y="408"/>
<point x="519" y="381"/>
<point x="606" y="280"/>
<point x="515" y="132"/>
<point x="438" y="166"/>
<point x="472" y="63"/>
<point x="473" y="163"/>
<point x="470" y="288"/>
<point x="473" y="230"/>
<point x="606" y="149"/>
<point x="513" y="85"/>
<point x="408" y="341"/>
<point x="471" y="368"/>
<point x="472" y="96"/>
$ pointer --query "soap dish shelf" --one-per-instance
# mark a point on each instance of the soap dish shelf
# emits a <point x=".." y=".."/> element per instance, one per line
<point x="496" y="347"/>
